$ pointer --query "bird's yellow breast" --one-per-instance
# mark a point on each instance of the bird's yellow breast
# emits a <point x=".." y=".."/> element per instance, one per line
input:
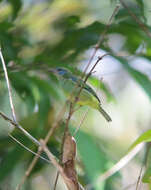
<point x="71" y="90"/>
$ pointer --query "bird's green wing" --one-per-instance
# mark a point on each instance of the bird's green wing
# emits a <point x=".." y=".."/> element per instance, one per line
<point x="89" y="89"/>
<point x="81" y="83"/>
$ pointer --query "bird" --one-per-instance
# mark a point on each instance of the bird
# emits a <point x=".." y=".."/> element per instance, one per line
<point x="72" y="83"/>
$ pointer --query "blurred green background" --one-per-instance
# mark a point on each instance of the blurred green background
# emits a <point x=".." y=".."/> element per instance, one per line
<point x="38" y="35"/>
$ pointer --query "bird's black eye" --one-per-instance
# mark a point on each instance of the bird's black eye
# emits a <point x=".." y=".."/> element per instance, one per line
<point x="59" y="69"/>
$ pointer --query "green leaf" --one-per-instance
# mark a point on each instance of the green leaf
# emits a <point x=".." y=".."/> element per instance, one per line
<point x="72" y="20"/>
<point x="139" y="77"/>
<point x="142" y="80"/>
<point x="93" y="158"/>
<point x="67" y="22"/>
<point x="145" y="137"/>
<point x="75" y="41"/>
<point x="4" y="142"/>
<point x="25" y="89"/>
<point x="141" y="7"/>
<point x="43" y="102"/>
<point x="5" y="25"/>
<point x="16" y="4"/>
<point x="9" y="161"/>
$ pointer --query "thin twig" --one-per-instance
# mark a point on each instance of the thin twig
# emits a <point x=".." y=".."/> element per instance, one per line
<point x="8" y="86"/>
<point x="26" y="148"/>
<point x="81" y="122"/>
<point x="86" y="78"/>
<point x="139" y="178"/>
<point x="56" y="181"/>
<point x="123" y="161"/>
<point x="139" y="22"/>
<point x="34" y="140"/>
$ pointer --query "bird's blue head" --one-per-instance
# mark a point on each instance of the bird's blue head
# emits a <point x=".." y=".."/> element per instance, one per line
<point x="60" y="71"/>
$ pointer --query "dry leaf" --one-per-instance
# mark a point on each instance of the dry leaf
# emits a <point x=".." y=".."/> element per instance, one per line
<point x="68" y="160"/>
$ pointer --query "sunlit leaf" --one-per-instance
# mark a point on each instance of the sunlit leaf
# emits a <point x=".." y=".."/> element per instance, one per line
<point x="145" y="137"/>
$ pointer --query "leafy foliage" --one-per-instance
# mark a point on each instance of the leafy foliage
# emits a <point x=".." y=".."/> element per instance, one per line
<point x="61" y="41"/>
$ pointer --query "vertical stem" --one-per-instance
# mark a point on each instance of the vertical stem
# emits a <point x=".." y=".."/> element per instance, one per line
<point x="8" y="86"/>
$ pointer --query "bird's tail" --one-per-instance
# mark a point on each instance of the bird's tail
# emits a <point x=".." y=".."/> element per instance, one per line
<point x="106" y="116"/>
